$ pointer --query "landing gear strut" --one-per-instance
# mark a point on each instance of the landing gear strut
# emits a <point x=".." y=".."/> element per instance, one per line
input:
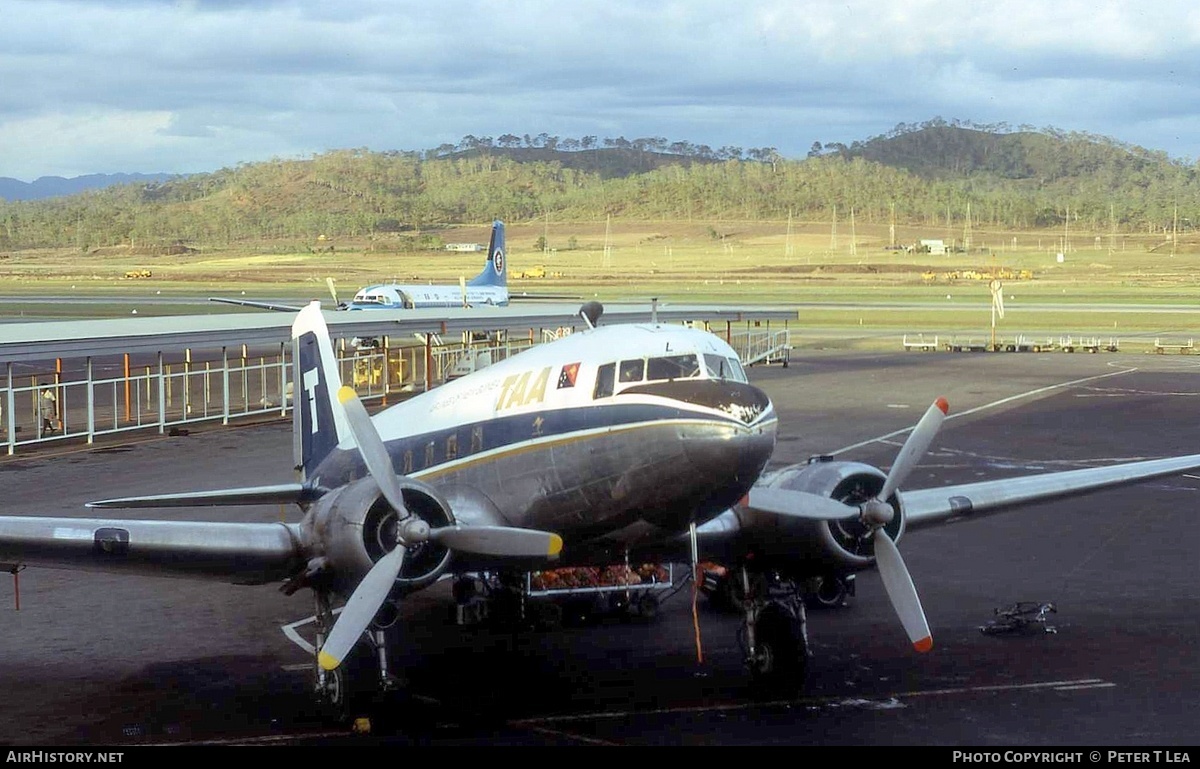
<point x="774" y="634"/>
<point x="341" y="690"/>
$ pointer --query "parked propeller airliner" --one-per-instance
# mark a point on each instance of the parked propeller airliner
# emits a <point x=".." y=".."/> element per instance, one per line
<point x="627" y="441"/>
<point x="487" y="289"/>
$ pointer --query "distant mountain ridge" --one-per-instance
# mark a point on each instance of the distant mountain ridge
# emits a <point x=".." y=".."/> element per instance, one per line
<point x="56" y="186"/>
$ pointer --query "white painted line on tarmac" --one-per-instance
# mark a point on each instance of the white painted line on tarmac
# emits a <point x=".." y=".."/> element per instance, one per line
<point x="1057" y="685"/>
<point x="294" y="636"/>
<point x="986" y="406"/>
<point x="1101" y="685"/>
<point x="886" y="701"/>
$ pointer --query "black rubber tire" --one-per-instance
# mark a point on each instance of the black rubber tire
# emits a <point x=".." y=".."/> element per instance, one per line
<point x="784" y="656"/>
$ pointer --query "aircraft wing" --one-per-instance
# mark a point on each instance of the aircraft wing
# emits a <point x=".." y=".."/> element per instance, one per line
<point x="243" y="553"/>
<point x="259" y="305"/>
<point x="772" y="509"/>
<point x="929" y="506"/>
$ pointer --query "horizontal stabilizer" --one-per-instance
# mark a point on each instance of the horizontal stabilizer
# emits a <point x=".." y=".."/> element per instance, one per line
<point x="283" y="493"/>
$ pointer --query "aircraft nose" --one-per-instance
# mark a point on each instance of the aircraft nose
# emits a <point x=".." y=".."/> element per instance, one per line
<point x="733" y="452"/>
<point x="727" y="430"/>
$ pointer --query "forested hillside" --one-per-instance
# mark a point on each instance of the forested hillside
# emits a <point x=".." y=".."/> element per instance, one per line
<point x="931" y="173"/>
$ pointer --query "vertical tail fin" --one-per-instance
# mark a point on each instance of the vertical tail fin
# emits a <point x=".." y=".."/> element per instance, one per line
<point x="495" y="272"/>
<point x="318" y="423"/>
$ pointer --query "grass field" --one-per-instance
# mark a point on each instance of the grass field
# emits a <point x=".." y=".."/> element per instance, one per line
<point x="842" y="277"/>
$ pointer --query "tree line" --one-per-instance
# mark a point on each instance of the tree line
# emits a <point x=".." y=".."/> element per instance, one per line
<point x="934" y="173"/>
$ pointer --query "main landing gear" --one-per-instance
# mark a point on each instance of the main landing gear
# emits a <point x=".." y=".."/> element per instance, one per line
<point x="773" y="636"/>
<point x="347" y="688"/>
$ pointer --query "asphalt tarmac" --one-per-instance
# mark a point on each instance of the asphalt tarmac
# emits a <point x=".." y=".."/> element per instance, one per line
<point x="114" y="660"/>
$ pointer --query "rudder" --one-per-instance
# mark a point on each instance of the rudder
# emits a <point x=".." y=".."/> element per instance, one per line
<point x="495" y="272"/>
<point x="318" y="425"/>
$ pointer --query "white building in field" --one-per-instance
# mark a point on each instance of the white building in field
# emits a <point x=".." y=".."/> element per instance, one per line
<point x="934" y="246"/>
<point x="465" y="247"/>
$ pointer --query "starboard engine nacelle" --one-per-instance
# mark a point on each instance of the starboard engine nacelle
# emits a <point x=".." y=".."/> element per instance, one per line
<point x="357" y="527"/>
<point x="822" y="547"/>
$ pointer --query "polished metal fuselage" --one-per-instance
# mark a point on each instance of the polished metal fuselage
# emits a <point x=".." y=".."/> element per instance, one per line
<point x="605" y="474"/>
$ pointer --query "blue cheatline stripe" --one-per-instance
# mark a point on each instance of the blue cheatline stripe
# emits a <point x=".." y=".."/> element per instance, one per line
<point x="426" y="451"/>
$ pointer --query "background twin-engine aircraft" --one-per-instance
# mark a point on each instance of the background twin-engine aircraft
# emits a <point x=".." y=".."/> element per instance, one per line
<point x="620" y="442"/>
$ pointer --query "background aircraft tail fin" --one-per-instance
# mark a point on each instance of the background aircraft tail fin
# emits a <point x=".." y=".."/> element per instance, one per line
<point x="495" y="272"/>
<point x="319" y="425"/>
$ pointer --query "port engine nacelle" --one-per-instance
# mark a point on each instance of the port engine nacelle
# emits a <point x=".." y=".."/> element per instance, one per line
<point x="354" y="526"/>
<point x="822" y="547"/>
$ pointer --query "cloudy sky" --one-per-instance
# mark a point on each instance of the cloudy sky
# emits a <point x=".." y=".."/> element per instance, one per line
<point x="183" y="86"/>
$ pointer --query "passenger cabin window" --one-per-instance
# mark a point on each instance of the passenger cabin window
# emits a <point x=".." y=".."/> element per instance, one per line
<point x="604" y="380"/>
<point x="632" y="370"/>
<point x="673" y="367"/>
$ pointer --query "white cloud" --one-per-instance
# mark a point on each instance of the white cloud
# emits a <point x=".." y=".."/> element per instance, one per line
<point x="207" y="83"/>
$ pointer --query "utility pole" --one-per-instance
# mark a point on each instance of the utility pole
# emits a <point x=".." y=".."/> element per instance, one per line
<point x="607" y="244"/>
<point x="1067" y="230"/>
<point x="788" y="250"/>
<point x="1175" y="230"/>
<point x="853" y="235"/>
<point x="967" y="229"/>
<point x="1112" y="229"/>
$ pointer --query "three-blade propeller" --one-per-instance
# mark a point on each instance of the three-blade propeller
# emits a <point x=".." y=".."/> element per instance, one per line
<point x="875" y="514"/>
<point x="411" y="530"/>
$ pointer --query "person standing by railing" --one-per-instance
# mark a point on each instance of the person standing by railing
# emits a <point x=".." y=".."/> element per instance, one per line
<point x="48" y="406"/>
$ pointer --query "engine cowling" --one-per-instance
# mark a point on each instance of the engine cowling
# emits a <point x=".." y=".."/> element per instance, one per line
<point x="813" y="547"/>
<point x="354" y="526"/>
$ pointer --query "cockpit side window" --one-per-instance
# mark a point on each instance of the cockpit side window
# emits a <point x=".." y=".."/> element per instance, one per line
<point x="673" y="367"/>
<point x="716" y="366"/>
<point x="604" y="381"/>
<point x="632" y="370"/>
<point x="720" y="367"/>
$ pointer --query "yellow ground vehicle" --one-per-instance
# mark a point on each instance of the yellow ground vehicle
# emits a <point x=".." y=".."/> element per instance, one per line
<point x="368" y="370"/>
